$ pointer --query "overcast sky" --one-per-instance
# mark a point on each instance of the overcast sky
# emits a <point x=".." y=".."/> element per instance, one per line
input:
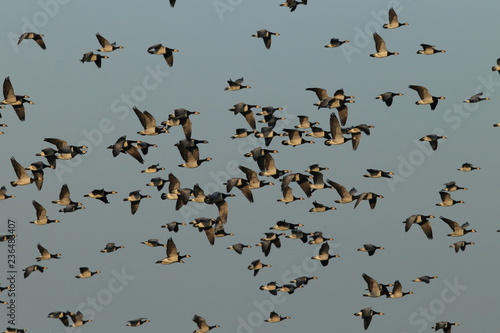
<point x="89" y="106"/>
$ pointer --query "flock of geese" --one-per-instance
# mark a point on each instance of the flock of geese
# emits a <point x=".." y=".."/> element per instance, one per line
<point x="260" y="172"/>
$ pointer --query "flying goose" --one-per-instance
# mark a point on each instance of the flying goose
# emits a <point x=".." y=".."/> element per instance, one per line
<point x="429" y="49"/>
<point x="268" y="168"/>
<point x="370" y="196"/>
<point x="466" y="167"/>
<point x="425" y="278"/>
<point x="425" y="96"/>
<point x="317" y="238"/>
<point x="3" y="195"/>
<point x="85" y="273"/>
<point x="106" y="46"/>
<point x="236" y="85"/>
<point x="452" y="186"/>
<point x="338" y="101"/>
<point x="111" y="247"/>
<point x="275" y="318"/>
<point x="397" y="291"/>
<point x="253" y="180"/>
<point x="198" y="193"/>
<point x="266" y="36"/>
<point x="172" y="255"/>
<point x="370" y="248"/>
<point x="335" y="42"/>
<point x="476" y="98"/>
<point x="445" y="326"/>
<point x="381" y="48"/>
<point x="387" y="97"/>
<point x="299" y="178"/>
<point x="78" y="319"/>
<point x="203" y="327"/>
<point x="148" y="122"/>
<point x="135" y="199"/>
<point x="246" y="111"/>
<point x="190" y="154"/>
<point x="323" y="256"/>
<point x="316" y="168"/>
<point x="271" y="120"/>
<point x="288" y="196"/>
<point x="175" y="192"/>
<point x="305" y="123"/>
<point x="63" y="316"/>
<point x="219" y="199"/>
<point x="46" y="255"/>
<point x="283" y="225"/>
<point x="267" y="133"/>
<point x="144" y="146"/>
<point x="375" y="173"/>
<point x="298" y="234"/>
<point x="41" y="215"/>
<point x="367" y="314"/>
<point x="433" y="140"/>
<point x="219" y="231"/>
<point x="294" y="137"/>
<point x="23" y="178"/>
<point x="272" y="287"/>
<point x="137" y="322"/>
<point x="30" y="269"/>
<point x="447" y="200"/>
<point x="207" y="225"/>
<point x="292" y="4"/>
<point x="238" y="248"/>
<point x="7" y="237"/>
<point x="422" y="221"/>
<point x="153" y="242"/>
<point x="100" y="195"/>
<point x="165" y="51"/>
<point x="153" y="169"/>
<point x="256" y="266"/>
<point x="36" y="169"/>
<point x="17" y="101"/>
<point x="181" y="117"/>
<point x="93" y="57"/>
<point x="461" y="245"/>
<point x="374" y="288"/>
<point x="268" y="110"/>
<point x="458" y="230"/>
<point x="64" y="197"/>
<point x="173" y="226"/>
<point x="497" y="67"/>
<point x="303" y="280"/>
<point x="320" y="207"/>
<point x="345" y="197"/>
<point x="393" y="20"/>
<point x="71" y="208"/>
<point x="336" y="132"/>
<point x="36" y="37"/>
<point x="122" y="145"/>
<point x="242" y="133"/>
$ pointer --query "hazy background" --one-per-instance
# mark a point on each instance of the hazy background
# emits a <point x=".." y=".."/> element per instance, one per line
<point x="72" y="99"/>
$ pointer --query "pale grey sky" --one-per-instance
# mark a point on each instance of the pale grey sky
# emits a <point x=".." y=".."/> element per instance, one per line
<point x="86" y="105"/>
